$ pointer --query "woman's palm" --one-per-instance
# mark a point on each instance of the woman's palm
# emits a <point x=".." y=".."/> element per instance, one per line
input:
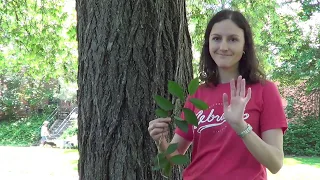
<point x="234" y="111"/>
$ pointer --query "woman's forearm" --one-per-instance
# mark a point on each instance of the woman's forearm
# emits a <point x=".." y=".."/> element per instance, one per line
<point x="271" y="157"/>
<point x="164" y="146"/>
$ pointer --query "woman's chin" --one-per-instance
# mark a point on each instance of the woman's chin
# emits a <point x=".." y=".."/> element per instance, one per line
<point x="227" y="66"/>
<point x="224" y="66"/>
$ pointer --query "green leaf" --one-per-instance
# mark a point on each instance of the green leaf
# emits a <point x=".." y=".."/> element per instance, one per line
<point x="172" y="148"/>
<point x="193" y="86"/>
<point x="167" y="169"/>
<point x="176" y="90"/>
<point x="178" y="118"/>
<point x="163" y="103"/>
<point x="190" y="117"/>
<point x="180" y="159"/>
<point x="199" y="104"/>
<point x="161" y="113"/>
<point x="182" y="124"/>
<point x="156" y="168"/>
<point x="160" y="160"/>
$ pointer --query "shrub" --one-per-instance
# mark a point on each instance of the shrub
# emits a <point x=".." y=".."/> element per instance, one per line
<point x="303" y="137"/>
<point x="23" y="132"/>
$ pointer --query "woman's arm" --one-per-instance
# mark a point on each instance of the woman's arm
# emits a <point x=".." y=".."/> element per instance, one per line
<point x="268" y="150"/>
<point x="183" y="145"/>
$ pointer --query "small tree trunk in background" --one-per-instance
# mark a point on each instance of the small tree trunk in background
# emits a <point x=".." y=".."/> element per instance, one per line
<point x="128" y="50"/>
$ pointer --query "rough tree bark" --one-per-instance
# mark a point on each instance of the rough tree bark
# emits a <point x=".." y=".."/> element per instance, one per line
<point x="128" y="50"/>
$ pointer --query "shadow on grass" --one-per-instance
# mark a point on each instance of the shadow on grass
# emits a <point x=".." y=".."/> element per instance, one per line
<point x="311" y="161"/>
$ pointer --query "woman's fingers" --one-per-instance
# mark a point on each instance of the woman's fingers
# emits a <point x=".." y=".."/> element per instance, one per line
<point x="238" y="85"/>
<point x="158" y="136"/>
<point x="158" y="131"/>
<point x="232" y="88"/>
<point x="160" y="125"/>
<point x="225" y="101"/>
<point x="239" y="89"/>
<point x="248" y="97"/>
<point x="243" y="88"/>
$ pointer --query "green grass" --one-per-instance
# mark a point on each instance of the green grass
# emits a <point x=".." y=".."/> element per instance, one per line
<point x="70" y="151"/>
<point x="73" y="162"/>
<point x="311" y="161"/>
<point x="288" y="161"/>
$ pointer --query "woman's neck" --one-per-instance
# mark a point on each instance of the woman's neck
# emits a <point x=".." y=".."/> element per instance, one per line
<point x="226" y="75"/>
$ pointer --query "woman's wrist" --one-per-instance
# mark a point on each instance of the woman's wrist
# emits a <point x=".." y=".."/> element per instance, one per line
<point x="239" y="127"/>
<point x="163" y="145"/>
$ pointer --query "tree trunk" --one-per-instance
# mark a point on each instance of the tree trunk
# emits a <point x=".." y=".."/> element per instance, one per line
<point x="128" y="50"/>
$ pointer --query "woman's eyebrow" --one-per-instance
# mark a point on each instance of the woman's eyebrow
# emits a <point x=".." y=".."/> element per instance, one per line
<point x="234" y="35"/>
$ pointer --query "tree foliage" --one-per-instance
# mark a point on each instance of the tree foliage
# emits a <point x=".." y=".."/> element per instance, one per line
<point x="36" y="39"/>
<point x="37" y="46"/>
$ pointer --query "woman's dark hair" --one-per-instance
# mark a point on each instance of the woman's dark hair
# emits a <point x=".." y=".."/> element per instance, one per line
<point x="248" y="64"/>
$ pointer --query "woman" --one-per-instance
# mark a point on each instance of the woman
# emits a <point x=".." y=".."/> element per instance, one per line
<point x="241" y="134"/>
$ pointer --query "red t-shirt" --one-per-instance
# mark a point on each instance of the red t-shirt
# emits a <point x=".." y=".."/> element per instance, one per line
<point x="217" y="151"/>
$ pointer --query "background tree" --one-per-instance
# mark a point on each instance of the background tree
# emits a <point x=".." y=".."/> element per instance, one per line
<point x="37" y="48"/>
<point x="128" y="50"/>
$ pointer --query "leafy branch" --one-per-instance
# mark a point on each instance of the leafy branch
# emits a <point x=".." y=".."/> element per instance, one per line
<point x="163" y="161"/>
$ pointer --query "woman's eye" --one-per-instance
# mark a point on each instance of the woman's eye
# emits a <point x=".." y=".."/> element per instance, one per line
<point x="234" y="39"/>
<point x="215" y="38"/>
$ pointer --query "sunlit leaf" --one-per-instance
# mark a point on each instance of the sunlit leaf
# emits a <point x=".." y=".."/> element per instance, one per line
<point x="163" y="103"/>
<point x="190" y="117"/>
<point x="182" y="124"/>
<point x="199" y="104"/>
<point x="171" y="148"/>
<point x="180" y="159"/>
<point x="161" y="113"/>
<point x="176" y="90"/>
<point x="193" y="86"/>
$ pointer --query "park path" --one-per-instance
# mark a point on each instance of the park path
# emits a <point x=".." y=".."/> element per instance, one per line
<point x="36" y="163"/>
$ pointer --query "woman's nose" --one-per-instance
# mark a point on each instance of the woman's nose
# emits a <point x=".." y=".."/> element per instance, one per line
<point x="223" y="45"/>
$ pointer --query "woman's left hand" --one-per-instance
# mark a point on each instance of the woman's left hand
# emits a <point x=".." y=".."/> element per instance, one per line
<point x="234" y="111"/>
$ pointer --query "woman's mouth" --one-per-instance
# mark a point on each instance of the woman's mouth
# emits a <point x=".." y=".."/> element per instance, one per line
<point x="224" y="54"/>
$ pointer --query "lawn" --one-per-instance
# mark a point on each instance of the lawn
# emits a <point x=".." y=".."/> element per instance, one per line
<point x="311" y="161"/>
<point x="298" y="168"/>
<point x="37" y="163"/>
<point x="295" y="168"/>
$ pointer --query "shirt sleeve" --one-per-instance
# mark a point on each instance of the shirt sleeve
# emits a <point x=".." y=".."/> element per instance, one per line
<point x="189" y="135"/>
<point x="272" y="115"/>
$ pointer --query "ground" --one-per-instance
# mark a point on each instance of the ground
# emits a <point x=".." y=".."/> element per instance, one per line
<point x="298" y="168"/>
<point x="37" y="163"/>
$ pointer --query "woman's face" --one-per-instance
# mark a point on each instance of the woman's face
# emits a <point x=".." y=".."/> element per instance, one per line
<point x="226" y="44"/>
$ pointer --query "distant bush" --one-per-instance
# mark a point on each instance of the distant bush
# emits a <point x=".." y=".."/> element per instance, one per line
<point x="71" y="131"/>
<point x="303" y="137"/>
<point x="23" y="132"/>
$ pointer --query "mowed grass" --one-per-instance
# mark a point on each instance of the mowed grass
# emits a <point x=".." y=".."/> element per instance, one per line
<point x="73" y="162"/>
<point x="36" y="163"/>
<point x="311" y="161"/>
<point x="294" y="168"/>
<point x="298" y="168"/>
